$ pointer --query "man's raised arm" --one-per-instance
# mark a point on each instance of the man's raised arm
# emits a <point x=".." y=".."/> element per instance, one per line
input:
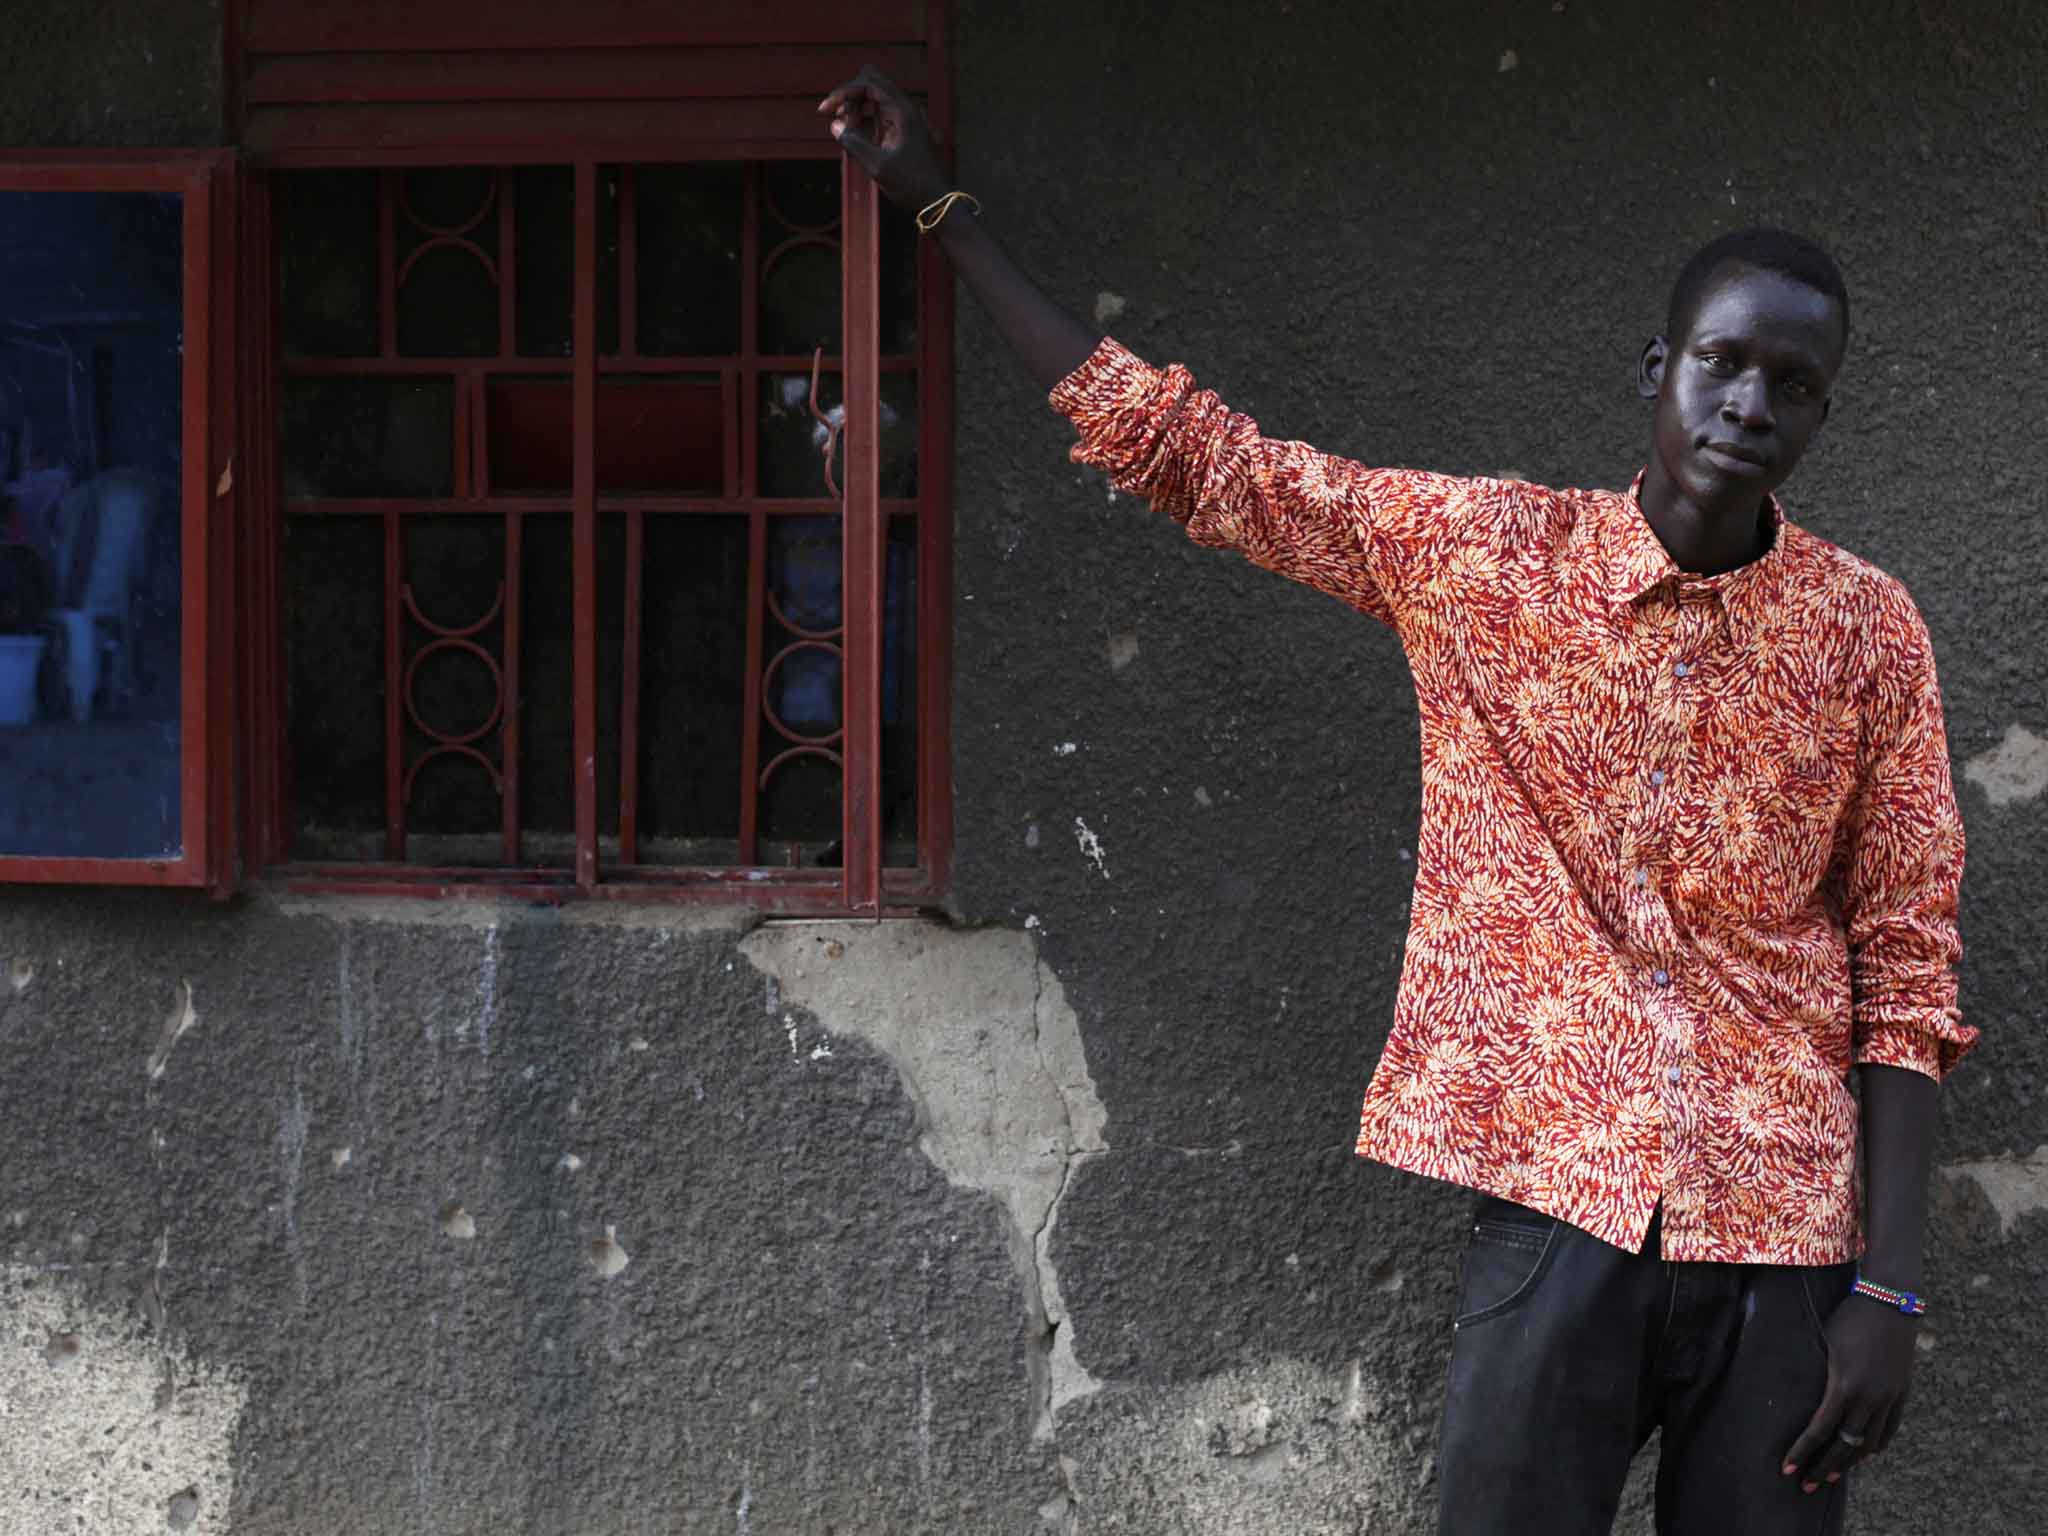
<point x="884" y="132"/>
<point x="1353" y="532"/>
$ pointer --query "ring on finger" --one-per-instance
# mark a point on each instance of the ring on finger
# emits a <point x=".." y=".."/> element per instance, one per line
<point x="1854" y="1442"/>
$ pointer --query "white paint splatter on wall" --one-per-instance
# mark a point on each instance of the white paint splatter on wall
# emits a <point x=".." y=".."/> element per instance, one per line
<point x="1091" y="846"/>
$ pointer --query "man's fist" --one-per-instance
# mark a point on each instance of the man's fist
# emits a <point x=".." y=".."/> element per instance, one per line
<point x="882" y="129"/>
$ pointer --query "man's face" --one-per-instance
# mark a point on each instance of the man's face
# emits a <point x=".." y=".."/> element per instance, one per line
<point x="1743" y="392"/>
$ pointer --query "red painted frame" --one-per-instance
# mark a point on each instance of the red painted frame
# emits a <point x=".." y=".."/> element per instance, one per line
<point x="454" y="132"/>
<point x="208" y="498"/>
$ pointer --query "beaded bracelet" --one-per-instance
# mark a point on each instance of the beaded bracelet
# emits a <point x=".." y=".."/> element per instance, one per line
<point x="1907" y="1302"/>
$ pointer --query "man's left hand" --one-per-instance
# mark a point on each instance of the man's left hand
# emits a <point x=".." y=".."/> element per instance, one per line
<point x="1870" y="1363"/>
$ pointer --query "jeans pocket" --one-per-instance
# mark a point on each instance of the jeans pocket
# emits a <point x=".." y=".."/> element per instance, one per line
<point x="1825" y="1287"/>
<point x="1505" y="1259"/>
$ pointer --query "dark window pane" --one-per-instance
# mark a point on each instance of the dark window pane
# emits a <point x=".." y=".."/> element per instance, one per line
<point x="368" y="436"/>
<point x="800" y="297"/>
<point x="547" y="709"/>
<point x="693" y="649"/>
<point x="688" y="251"/>
<point x="899" y="279"/>
<point x="327" y="268"/>
<point x="792" y="440"/>
<point x="799" y="241"/>
<point x="447" y="252"/>
<point x="544" y="281"/>
<point x="800" y="819"/>
<point x="545" y="266"/>
<point x="799" y="196"/>
<point x="334" y="633"/>
<point x="452" y="692"/>
<point x="608" y="259"/>
<point x="657" y="433"/>
<point x="801" y="689"/>
<point x="91" y="419"/>
<point x="900" y="673"/>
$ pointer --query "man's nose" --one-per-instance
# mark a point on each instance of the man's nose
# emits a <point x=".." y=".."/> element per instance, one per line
<point x="1748" y="403"/>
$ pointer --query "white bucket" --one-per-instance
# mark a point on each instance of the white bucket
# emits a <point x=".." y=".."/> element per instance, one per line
<point x="20" y="656"/>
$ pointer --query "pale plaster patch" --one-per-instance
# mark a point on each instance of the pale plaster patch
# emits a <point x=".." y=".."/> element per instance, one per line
<point x="99" y="1445"/>
<point x="1284" y="1445"/>
<point x="2016" y="769"/>
<point x="991" y="1054"/>
<point x="2015" y="1186"/>
<point x="1108" y="306"/>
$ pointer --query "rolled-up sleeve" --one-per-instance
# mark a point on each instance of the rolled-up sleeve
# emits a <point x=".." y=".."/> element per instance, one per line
<point x="1343" y="528"/>
<point x="1904" y="866"/>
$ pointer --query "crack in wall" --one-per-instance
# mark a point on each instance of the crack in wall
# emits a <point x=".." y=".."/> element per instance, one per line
<point x="990" y="1053"/>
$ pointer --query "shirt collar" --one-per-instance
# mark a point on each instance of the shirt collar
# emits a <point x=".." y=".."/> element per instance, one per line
<point x="1634" y="561"/>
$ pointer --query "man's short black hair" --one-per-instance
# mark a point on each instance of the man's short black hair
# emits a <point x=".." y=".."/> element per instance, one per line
<point x="1763" y="247"/>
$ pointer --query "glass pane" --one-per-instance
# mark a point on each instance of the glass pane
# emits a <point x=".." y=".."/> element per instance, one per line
<point x="801" y="692"/>
<point x="447" y="255"/>
<point x="334" y="633"/>
<point x="799" y="235"/>
<point x="544" y="279"/>
<point x="453" y="698"/>
<point x="544" y="283"/>
<point x="899" y="280"/>
<point x="368" y="436"/>
<point x="657" y="433"/>
<point x="689" y="217"/>
<point x="327" y="242"/>
<point x="692" y="698"/>
<point x="91" y="422"/>
<point x="792" y="440"/>
<point x="547" y="691"/>
<point x="899" y="694"/>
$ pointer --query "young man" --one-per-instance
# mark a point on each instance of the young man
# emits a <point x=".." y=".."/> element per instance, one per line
<point x="1689" y="852"/>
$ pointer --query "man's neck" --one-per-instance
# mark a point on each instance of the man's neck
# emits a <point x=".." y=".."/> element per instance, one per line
<point x="1704" y="540"/>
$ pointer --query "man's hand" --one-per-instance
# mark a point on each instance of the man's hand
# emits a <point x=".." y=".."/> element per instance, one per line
<point x="1870" y="1361"/>
<point x="887" y="137"/>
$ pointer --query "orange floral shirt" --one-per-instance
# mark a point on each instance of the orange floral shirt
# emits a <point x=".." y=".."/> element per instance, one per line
<point x="1689" y="845"/>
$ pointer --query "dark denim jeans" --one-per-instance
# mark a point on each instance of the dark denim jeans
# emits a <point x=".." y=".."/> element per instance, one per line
<point x="1569" y="1352"/>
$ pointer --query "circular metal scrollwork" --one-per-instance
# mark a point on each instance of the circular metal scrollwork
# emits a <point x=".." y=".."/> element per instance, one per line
<point x="460" y="639"/>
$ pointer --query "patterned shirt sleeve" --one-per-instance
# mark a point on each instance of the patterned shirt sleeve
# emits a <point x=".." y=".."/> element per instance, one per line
<point x="1340" y="527"/>
<point x="1902" y="865"/>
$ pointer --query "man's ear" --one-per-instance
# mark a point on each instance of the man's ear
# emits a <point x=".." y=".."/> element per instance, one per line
<point x="1650" y="367"/>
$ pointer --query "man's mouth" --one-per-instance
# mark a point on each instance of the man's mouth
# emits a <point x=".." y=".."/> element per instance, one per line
<point x="1735" y="457"/>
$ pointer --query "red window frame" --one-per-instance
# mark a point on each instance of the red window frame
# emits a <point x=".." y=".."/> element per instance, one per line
<point x="761" y="111"/>
<point x="208" y="499"/>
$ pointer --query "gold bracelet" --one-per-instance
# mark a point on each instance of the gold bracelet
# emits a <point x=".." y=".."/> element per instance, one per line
<point x="933" y="213"/>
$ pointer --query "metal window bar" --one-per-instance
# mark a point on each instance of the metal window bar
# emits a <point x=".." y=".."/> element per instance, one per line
<point x="864" y="528"/>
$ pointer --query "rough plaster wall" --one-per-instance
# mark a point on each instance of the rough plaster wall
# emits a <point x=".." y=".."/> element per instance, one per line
<point x="111" y="73"/>
<point x="1200" y="783"/>
<point x="992" y="1057"/>
<point x="386" y="1180"/>
<point x="105" y="1425"/>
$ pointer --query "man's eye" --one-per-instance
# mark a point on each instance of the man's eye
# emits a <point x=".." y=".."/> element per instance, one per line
<point x="1716" y="362"/>
<point x="1799" y="389"/>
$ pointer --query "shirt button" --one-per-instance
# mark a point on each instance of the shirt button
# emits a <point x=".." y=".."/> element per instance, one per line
<point x="1673" y="1074"/>
<point x="1661" y="978"/>
<point x="1642" y="878"/>
<point x="1657" y="777"/>
<point x="1683" y="669"/>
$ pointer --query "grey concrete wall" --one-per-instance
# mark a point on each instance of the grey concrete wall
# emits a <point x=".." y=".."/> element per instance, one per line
<point x="340" y="1216"/>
